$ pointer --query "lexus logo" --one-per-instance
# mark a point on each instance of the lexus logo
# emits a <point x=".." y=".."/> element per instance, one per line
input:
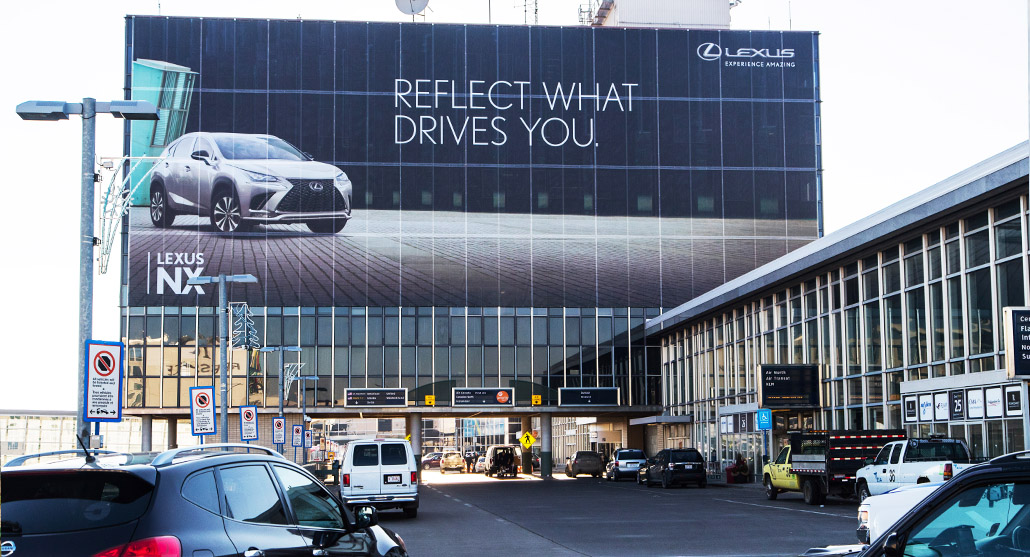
<point x="7" y="548"/>
<point x="709" y="51"/>
<point x="315" y="186"/>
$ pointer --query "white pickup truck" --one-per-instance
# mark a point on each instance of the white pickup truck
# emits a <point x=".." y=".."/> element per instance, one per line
<point x="911" y="462"/>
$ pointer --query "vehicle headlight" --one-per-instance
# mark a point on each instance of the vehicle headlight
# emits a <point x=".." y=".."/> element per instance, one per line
<point x="342" y="181"/>
<point x="260" y="177"/>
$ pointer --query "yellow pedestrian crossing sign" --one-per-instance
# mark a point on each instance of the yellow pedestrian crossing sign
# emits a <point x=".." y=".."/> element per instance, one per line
<point x="537" y="400"/>
<point x="430" y="400"/>
<point x="527" y="440"/>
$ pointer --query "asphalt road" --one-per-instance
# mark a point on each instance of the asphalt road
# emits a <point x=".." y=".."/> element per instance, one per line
<point x="474" y="515"/>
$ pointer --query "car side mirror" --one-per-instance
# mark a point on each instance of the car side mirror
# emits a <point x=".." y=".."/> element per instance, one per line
<point x="365" y="517"/>
<point x="890" y="546"/>
<point x="869" y="461"/>
<point x="201" y="155"/>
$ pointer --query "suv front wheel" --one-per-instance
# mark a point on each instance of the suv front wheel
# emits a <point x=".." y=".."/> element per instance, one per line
<point x="225" y="211"/>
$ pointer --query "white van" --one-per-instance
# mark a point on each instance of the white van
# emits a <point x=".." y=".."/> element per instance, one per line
<point x="380" y="473"/>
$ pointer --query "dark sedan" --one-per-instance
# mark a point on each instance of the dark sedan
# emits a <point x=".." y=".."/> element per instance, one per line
<point x="674" y="467"/>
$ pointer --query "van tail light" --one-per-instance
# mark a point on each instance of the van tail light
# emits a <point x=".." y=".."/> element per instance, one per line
<point x="161" y="546"/>
<point x="948" y="471"/>
<point x="617" y="464"/>
<point x="414" y="478"/>
<point x="346" y="480"/>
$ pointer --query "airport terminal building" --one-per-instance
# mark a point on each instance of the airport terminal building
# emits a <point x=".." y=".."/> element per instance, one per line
<point x="439" y="207"/>
<point x="894" y="321"/>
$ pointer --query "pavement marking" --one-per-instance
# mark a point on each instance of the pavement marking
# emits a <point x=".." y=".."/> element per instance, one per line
<point x="849" y="517"/>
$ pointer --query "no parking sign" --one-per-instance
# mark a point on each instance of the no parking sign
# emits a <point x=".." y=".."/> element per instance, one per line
<point x="279" y="430"/>
<point x="202" y="410"/>
<point x="103" y="382"/>
<point x="248" y="423"/>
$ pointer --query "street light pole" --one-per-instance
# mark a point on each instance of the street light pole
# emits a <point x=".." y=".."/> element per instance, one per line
<point x="89" y="108"/>
<point x="89" y="130"/>
<point x="223" y="339"/>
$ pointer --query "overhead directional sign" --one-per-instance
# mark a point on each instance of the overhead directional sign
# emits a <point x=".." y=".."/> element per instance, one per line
<point x="376" y="398"/>
<point x="537" y="400"/>
<point x="527" y="440"/>
<point x="592" y="396"/>
<point x="248" y="423"/>
<point x="482" y="397"/>
<point x="202" y="410"/>
<point x="279" y="430"/>
<point x="298" y="435"/>
<point x="789" y="386"/>
<point x="103" y="381"/>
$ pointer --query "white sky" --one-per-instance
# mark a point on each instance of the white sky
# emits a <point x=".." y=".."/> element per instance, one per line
<point x="912" y="92"/>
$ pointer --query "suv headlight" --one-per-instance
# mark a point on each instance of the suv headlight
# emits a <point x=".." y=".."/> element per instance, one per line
<point x="260" y="177"/>
<point x="342" y="181"/>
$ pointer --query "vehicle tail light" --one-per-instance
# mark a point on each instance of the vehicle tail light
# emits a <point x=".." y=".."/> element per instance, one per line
<point x="161" y="546"/>
<point x="346" y="480"/>
<point x="414" y="477"/>
<point x="948" y="471"/>
<point x="863" y="516"/>
<point x="617" y="464"/>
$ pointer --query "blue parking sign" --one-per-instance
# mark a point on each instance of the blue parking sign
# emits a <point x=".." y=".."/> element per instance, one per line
<point x="764" y="419"/>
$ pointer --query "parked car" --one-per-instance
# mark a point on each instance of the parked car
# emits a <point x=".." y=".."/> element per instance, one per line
<point x="480" y="465"/>
<point x="212" y="499"/>
<point x="624" y="463"/>
<point x="877" y="513"/>
<point x="240" y="179"/>
<point x="985" y="510"/>
<point x="380" y="473"/>
<point x="674" y="467"/>
<point x="431" y="460"/>
<point x="584" y="462"/>
<point x="452" y="460"/>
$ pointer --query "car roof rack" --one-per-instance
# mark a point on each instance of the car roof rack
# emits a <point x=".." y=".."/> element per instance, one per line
<point x="23" y="459"/>
<point x="167" y="457"/>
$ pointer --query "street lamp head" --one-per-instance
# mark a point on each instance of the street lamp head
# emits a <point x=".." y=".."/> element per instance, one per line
<point x="45" y="110"/>
<point x="132" y="110"/>
<point x="195" y="281"/>
<point x="241" y="278"/>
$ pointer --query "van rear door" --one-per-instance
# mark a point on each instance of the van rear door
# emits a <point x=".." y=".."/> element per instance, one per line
<point x="396" y="468"/>
<point x="364" y="472"/>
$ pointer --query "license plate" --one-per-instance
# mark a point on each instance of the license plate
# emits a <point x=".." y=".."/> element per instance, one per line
<point x="392" y="478"/>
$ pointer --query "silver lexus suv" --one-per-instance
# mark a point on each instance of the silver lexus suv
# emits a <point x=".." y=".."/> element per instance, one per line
<point x="240" y="179"/>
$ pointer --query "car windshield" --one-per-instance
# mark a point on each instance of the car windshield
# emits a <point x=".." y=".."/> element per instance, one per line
<point x="62" y="501"/>
<point x="631" y="454"/>
<point x="685" y="456"/>
<point x="256" y="147"/>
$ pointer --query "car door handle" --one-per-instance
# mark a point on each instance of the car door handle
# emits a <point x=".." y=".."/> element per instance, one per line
<point x="187" y="169"/>
<point x="253" y="552"/>
<point x="884" y="470"/>
<point x="166" y="165"/>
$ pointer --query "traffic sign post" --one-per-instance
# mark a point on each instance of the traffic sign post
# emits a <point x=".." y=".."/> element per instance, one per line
<point x="202" y="411"/>
<point x="248" y="423"/>
<point x="103" y="380"/>
<point x="298" y="436"/>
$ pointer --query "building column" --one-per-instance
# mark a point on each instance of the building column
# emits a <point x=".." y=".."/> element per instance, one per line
<point x="527" y="454"/>
<point x="545" y="446"/>
<point x="415" y="431"/>
<point x="173" y="430"/>
<point x="147" y="440"/>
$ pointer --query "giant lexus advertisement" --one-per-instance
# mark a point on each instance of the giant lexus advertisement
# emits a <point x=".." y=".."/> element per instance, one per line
<point x="383" y="164"/>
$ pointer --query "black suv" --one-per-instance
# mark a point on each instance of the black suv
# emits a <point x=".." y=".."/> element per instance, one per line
<point x="674" y="466"/>
<point x="206" y="500"/>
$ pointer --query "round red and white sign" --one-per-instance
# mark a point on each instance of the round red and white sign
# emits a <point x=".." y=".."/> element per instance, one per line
<point x="203" y="400"/>
<point x="502" y="397"/>
<point x="278" y="424"/>
<point x="103" y="363"/>
<point x="248" y="415"/>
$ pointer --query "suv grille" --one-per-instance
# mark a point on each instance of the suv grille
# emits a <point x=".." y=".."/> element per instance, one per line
<point x="303" y="199"/>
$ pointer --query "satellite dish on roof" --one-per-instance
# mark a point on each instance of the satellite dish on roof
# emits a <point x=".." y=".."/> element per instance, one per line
<point x="412" y="7"/>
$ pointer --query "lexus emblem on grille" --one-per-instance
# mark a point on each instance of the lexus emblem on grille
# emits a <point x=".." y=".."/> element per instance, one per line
<point x="315" y="186"/>
<point x="7" y="548"/>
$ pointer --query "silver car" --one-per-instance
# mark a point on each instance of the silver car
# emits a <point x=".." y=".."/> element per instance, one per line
<point x="624" y="463"/>
<point x="241" y="179"/>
